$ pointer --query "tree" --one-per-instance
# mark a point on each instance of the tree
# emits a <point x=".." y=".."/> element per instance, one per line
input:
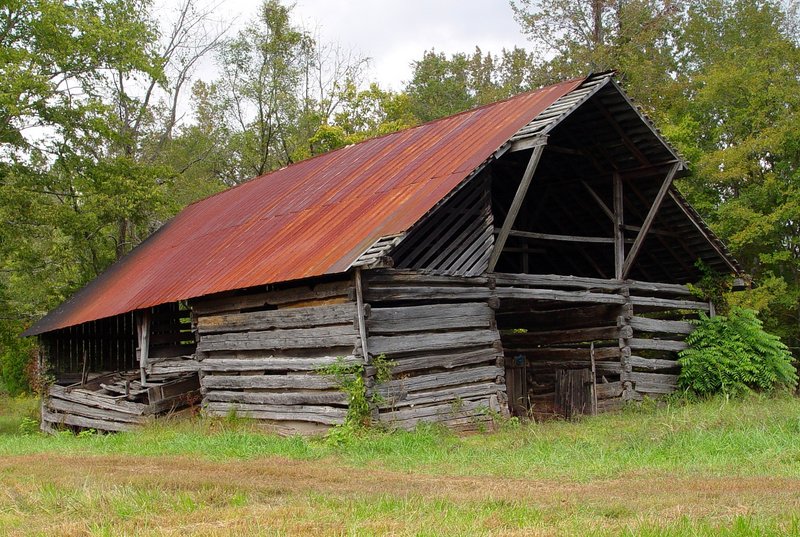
<point x="89" y="92"/>
<point x="442" y="86"/>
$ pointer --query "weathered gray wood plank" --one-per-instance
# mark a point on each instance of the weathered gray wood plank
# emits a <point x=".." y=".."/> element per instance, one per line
<point x="205" y="306"/>
<point x="429" y="317"/>
<point x="558" y="280"/>
<point x="445" y="360"/>
<point x="300" y="382"/>
<point x="297" y="397"/>
<point x="423" y="342"/>
<point x="668" y="303"/>
<point x="98" y="400"/>
<point x="559" y="296"/>
<point x="438" y="396"/>
<point x="273" y="364"/>
<point x="657" y="344"/>
<point x="606" y="390"/>
<point x="57" y="418"/>
<point x="77" y="409"/>
<point x="301" y="338"/>
<point x="283" y="318"/>
<point x="576" y="335"/>
<point x="388" y="294"/>
<point x="660" y="326"/>
<point x="440" y="380"/>
<point x="313" y="413"/>
<point x="652" y="364"/>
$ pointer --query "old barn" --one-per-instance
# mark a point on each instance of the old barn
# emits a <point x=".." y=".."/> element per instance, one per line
<point x="528" y="257"/>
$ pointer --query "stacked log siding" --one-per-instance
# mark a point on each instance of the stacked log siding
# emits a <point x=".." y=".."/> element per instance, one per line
<point x="440" y="335"/>
<point x="261" y="353"/>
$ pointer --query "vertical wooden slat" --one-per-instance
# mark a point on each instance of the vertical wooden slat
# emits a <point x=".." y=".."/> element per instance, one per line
<point x="619" y="232"/>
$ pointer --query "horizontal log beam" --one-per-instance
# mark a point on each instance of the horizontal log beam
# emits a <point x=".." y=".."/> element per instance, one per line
<point x="281" y="319"/>
<point x="560" y="238"/>
<point x="645" y="324"/>
<point x="317" y="414"/>
<point x="270" y="382"/>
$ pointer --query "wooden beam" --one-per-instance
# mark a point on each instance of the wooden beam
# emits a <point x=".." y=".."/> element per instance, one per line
<point x="619" y="232"/>
<point x="360" y="314"/>
<point x="143" y="329"/>
<point x="599" y="200"/>
<point x="516" y="204"/>
<point x="648" y="221"/>
<point x="554" y="237"/>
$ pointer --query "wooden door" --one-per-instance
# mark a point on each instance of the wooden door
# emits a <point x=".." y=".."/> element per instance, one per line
<point x="517" y="385"/>
<point x="574" y="392"/>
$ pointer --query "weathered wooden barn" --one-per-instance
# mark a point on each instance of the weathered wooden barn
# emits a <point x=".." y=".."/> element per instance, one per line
<point x="528" y="257"/>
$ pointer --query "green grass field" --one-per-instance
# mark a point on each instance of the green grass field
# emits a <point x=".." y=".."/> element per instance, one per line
<point x="713" y="468"/>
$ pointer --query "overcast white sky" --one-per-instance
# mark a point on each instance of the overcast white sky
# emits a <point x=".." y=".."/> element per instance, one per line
<point x="396" y="32"/>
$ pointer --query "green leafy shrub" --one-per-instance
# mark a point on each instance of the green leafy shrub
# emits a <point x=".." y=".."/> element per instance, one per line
<point x="733" y="355"/>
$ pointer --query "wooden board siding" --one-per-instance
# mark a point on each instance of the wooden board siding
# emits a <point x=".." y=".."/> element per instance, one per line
<point x="440" y="334"/>
<point x="260" y="354"/>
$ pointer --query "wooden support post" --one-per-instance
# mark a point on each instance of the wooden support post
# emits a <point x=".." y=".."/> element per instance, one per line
<point x="619" y="231"/>
<point x="516" y="204"/>
<point x="594" y="380"/>
<point x="626" y="368"/>
<point x="362" y="326"/>
<point x="143" y="331"/>
<point x="648" y="220"/>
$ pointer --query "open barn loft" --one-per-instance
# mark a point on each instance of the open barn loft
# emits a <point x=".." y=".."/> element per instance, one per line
<point x="528" y="257"/>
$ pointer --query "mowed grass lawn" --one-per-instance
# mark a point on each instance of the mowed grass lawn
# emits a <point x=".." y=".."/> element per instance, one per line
<point x="713" y="468"/>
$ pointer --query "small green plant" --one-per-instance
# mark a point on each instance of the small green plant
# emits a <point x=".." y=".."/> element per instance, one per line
<point x="28" y="426"/>
<point x="87" y="433"/>
<point x="733" y="355"/>
<point x="350" y="378"/>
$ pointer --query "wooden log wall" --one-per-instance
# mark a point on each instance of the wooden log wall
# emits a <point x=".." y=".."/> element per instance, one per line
<point x="93" y="347"/>
<point x="440" y="333"/>
<point x="260" y="353"/>
<point x="551" y="323"/>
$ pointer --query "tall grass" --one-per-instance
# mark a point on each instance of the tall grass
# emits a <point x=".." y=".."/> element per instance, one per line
<point x="749" y="437"/>
<point x="718" y="467"/>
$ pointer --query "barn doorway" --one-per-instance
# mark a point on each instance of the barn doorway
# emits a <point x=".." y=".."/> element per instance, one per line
<point x="560" y="358"/>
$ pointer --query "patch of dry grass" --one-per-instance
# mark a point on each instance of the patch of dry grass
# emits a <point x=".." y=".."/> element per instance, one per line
<point x="116" y="495"/>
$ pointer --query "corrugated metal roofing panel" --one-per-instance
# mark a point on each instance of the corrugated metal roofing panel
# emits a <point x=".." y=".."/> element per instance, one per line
<point x="312" y="218"/>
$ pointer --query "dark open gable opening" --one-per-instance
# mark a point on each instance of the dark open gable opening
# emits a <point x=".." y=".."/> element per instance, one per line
<point x="567" y="219"/>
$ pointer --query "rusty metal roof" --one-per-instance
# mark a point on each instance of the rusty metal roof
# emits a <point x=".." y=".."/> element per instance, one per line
<point x="312" y="218"/>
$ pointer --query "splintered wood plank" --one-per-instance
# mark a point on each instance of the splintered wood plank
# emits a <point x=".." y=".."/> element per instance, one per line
<point x="59" y="418"/>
